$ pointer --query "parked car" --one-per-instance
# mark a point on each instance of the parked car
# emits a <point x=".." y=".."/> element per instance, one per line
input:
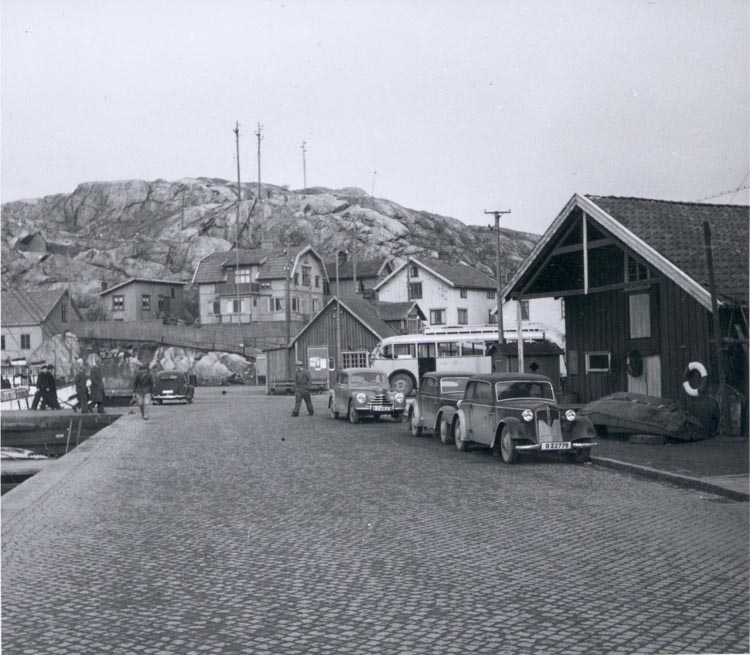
<point x="173" y="385"/>
<point x="434" y="406"/>
<point x="361" y="392"/>
<point x="516" y="413"/>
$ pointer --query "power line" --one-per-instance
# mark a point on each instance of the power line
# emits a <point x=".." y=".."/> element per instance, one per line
<point x="741" y="187"/>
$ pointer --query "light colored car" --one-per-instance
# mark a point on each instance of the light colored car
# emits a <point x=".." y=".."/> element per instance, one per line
<point x="361" y="392"/>
<point x="517" y="413"/>
<point x="435" y="403"/>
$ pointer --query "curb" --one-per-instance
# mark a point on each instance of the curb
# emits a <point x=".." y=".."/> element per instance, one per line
<point x="674" y="478"/>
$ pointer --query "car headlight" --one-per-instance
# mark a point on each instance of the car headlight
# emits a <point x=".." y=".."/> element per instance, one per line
<point x="398" y="397"/>
<point x="361" y="398"/>
<point x="527" y="415"/>
<point x="570" y="415"/>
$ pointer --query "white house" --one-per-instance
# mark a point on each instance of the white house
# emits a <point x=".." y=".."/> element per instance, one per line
<point x="243" y="286"/>
<point x="448" y="294"/>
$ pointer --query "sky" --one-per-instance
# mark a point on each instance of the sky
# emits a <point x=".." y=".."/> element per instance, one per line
<point x="456" y="108"/>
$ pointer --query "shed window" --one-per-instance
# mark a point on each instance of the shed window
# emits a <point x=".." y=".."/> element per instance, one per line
<point x="146" y="302"/>
<point x="598" y="362"/>
<point x="354" y="359"/>
<point x="118" y="303"/>
<point x="25" y="342"/>
<point x="64" y="312"/>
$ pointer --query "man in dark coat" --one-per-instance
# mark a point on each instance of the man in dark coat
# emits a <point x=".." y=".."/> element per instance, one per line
<point x="50" y="397"/>
<point x="42" y="384"/>
<point x="302" y="390"/>
<point x="143" y="387"/>
<point x="96" y="392"/>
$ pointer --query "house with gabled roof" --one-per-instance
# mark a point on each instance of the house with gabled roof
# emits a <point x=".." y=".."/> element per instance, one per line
<point x="143" y="299"/>
<point x="357" y="278"/>
<point x="31" y="318"/>
<point x="448" y="294"/>
<point x="634" y="277"/>
<point x="352" y="322"/>
<point x="245" y="286"/>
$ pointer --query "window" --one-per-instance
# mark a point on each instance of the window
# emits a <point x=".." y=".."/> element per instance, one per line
<point x="214" y="307"/>
<point x="597" y="362"/>
<point x="415" y="290"/>
<point x="236" y="305"/>
<point x="483" y="393"/>
<point x="448" y="349"/>
<point x="491" y="293"/>
<point x="524" y="310"/>
<point x="315" y="305"/>
<point x="305" y="276"/>
<point x="356" y="359"/>
<point x="360" y="286"/>
<point x="146" y="302"/>
<point x="464" y="292"/>
<point x="118" y="303"/>
<point x="295" y="279"/>
<point x="295" y="304"/>
<point x="317" y="281"/>
<point x="425" y="350"/>
<point x="2" y="342"/>
<point x="171" y="292"/>
<point x="276" y="304"/>
<point x="437" y="317"/>
<point x="413" y="271"/>
<point x="241" y="276"/>
<point x="25" y="342"/>
<point x="463" y="316"/>
<point x="472" y="348"/>
<point x="326" y="288"/>
<point x="163" y="304"/>
<point x="64" y="312"/>
<point x="636" y="270"/>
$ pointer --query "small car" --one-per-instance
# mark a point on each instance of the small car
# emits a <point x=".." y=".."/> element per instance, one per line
<point x="173" y="385"/>
<point x="516" y="413"/>
<point x="435" y="403"/>
<point x="361" y="392"/>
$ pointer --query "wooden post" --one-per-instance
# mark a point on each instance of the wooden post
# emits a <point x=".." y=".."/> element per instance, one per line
<point x="724" y="417"/>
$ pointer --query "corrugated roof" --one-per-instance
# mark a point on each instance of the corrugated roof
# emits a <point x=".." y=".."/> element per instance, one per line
<point x="21" y="307"/>
<point x="366" y="312"/>
<point x="394" y="311"/>
<point x="675" y="230"/>
<point x="366" y="269"/>
<point x="172" y="283"/>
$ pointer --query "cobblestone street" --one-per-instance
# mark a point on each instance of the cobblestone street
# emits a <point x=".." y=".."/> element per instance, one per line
<point x="227" y="526"/>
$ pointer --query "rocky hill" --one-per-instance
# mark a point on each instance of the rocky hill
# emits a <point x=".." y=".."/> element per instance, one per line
<point x="109" y="231"/>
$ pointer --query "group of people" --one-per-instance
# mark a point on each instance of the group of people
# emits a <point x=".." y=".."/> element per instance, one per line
<point x="89" y="388"/>
<point x="46" y="389"/>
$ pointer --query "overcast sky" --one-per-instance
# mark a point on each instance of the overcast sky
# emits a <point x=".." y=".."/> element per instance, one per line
<point x="460" y="107"/>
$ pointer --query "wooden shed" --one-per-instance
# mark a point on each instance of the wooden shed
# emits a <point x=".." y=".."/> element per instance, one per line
<point x="635" y="281"/>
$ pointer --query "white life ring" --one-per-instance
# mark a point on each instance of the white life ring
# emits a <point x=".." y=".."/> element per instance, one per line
<point x="689" y="389"/>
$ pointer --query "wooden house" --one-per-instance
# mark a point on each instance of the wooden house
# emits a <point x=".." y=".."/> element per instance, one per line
<point x="142" y="299"/>
<point x="357" y="278"/>
<point x="634" y="277"/>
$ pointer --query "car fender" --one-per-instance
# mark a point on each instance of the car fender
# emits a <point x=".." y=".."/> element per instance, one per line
<point x="416" y="415"/>
<point x="447" y="412"/>
<point x="582" y="428"/>
<point x="332" y="399"/>
<point x="514" y="426"/>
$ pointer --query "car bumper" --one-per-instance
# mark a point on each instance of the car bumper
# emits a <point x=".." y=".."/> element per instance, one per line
<point x="170" y="397"/>
<point x="573" y="446"/>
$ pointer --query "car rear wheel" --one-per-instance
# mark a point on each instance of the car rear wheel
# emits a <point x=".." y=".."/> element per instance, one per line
<point x="334" y="414"/>
<point x="508" y="450"/>
<point x="458" y="436"/>
<point x="403" y="383"/>
<point x="445" y="431"/>
<point x="353" y="414"/>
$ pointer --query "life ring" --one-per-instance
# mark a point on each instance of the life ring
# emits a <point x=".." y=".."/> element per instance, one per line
<point x="690" y="371"/>
<point x="634" y="363"/>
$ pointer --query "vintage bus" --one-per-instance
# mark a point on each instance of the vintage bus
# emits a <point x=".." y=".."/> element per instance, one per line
<point x="407" y="357"/>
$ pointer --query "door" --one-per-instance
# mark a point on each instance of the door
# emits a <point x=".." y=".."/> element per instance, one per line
<point x="482" y="413"/>
<point x="425" y="358"/>
<point x="643" y="334"/>
<point x="649" y="382"/>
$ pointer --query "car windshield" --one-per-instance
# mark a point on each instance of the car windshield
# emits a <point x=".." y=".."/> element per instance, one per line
<point x="368" y="377"/>
<point x="524" y="389"/>
<point x="448" y="385"/>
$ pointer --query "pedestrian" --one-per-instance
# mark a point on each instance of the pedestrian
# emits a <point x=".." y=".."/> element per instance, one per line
<point x="41" y="385"/>
<point x="82" y="392"/>
<point x="302" y="389"/>
<point x="51" y="396"/>
<point x="97" y="389"/>
<point x="143" y="387"/>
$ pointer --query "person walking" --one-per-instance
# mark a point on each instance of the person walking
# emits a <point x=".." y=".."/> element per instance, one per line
<point x="42" y="383"/>
<point x="50" y="397"/>
<point x="97" y="389"/>
<point x="143" y="387"/>
<point x="302" y="389"/>
<point x="82" y="392"/>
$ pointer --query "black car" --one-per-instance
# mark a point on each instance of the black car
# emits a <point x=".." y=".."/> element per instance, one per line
<point x="435" y="403"/>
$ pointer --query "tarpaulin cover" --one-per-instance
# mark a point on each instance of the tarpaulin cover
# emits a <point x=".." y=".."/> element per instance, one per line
<point x="636" y="413"/>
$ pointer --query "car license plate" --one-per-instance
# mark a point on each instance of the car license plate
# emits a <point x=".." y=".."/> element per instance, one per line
<point x="556" y="445"/>
<point x="168" y="392"/>
<point x="377" y="408"/>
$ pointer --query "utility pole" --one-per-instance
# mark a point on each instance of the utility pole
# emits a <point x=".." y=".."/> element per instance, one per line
<point x="372" y="188"/>
<point x="237" y="227"/>
<point x="304" y="166"/>
<point x="182" y="215"/>
<point x="288" y="309"/>
<point x="498" y="281"/>
<point x="338" y="317"/>
<point x="259" y="134"/>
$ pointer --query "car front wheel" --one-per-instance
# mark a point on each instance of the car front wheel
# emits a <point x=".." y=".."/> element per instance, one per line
<point x="414" y="426"/>
<point x="334" y="414"/>
<point x="508" y="450"/>
<point x="353" y="414"/>
<point x="445" y="432"/>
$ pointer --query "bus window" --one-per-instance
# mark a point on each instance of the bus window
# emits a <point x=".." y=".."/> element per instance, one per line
<point x="386" y="352"/>
<point x="425" y="350"/>
<point x="472" y="349"/>
<point x="447" y="349"/>
<point x="403" y="350"/>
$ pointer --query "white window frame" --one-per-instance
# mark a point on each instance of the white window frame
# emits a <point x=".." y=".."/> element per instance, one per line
<point x="355" y="359"/>
<point x="598" y="353"/>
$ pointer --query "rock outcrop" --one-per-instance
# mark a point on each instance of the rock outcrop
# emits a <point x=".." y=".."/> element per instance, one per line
<point x="109" y="231"/>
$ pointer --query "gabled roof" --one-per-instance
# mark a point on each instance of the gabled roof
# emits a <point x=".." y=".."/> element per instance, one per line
<point x="21" y="307"/>
<point x="363" y="311"/>
<point x="274" y="268"/>
<point x="132" y="280"/>
<point x="668" y="236"/>
<point x="367" y="269"/>
<point x="396" y="311"/>
<point x="452" y="275"/>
